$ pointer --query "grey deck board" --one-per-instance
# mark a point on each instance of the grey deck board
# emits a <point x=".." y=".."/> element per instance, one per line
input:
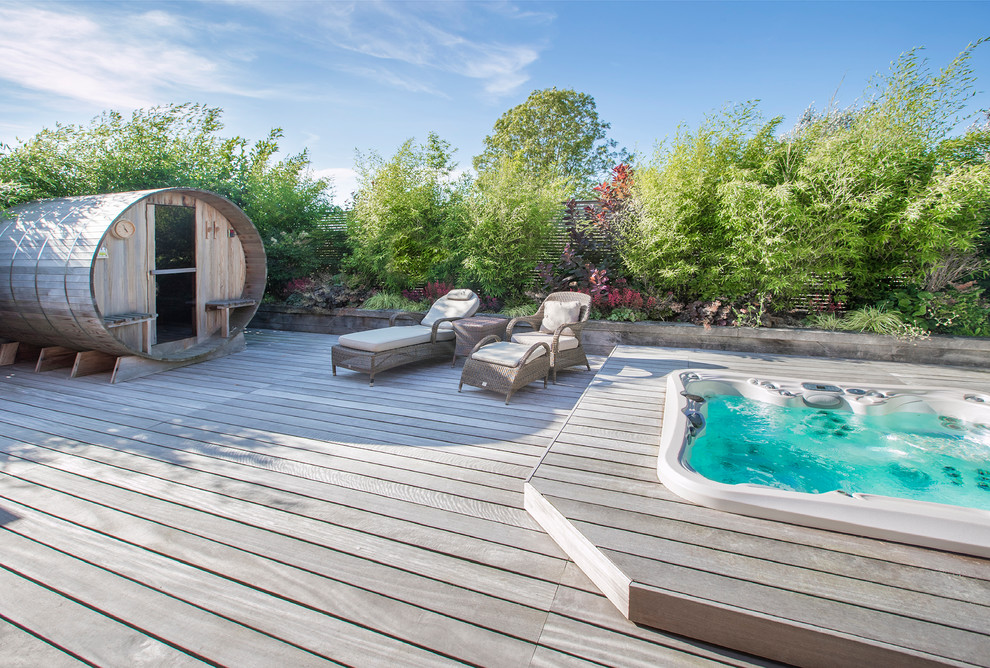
<point x="600" y="477"/>
<point x="173" y="623"/>
<point x="339" y="513"/>
<point x="938" y="639"/>
<point x="303" y="608"/>
<point x="302" y="479"/>
<point x="868" y="569"/>
<point x="269" y="534"/>
<point x="207" y="540"/>
<point x="20" y="649"/>
<point x="667" y="507"/>
<point x="573" y="637"/>
<point x="255" y="510"/>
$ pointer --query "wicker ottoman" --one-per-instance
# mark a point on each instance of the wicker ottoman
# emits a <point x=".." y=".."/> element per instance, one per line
<point x="505" y="367"/>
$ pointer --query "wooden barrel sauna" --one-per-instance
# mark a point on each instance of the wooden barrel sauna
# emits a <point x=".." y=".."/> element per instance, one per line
<point x="170" y="274"/>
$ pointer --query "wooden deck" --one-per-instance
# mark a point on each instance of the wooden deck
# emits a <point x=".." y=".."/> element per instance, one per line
<point x="255" y="511"/>
<point x="795" y="594"/>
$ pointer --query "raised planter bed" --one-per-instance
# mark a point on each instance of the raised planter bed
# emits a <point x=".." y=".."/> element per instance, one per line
<point x="600" y="336"/>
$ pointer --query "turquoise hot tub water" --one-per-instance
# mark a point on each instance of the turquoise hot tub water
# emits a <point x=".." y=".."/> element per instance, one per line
<point x="908" y="464"/>
<point x="924" y="457"/>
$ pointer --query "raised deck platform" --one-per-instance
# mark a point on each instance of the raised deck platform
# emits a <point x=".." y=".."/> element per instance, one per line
<point x="794" y="594"/>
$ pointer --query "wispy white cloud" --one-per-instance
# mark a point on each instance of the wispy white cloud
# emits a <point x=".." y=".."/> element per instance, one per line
<point x="439" y="38"/>
<point x="390" y="78"/>
<point x="409" y="37"/>
<point x="512" y="10"/>
<point x="503" y="70"/>
<point x="110" y="59"/>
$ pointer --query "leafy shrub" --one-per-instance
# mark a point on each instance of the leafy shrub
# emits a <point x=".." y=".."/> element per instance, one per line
<point x="624" y="297"/>
<point x="675" y="239"/>
<point x="615" y="202"/>
<point x="409" y="216"/>
<point x="878" y="321"/>
<point x="520" y="310"/>
<point x="171" y="146"/>
<point x="327" y="292"/>
<point x="716" y="312"/>
<point x="298" y="285"/>
<point x="583" y="265"/>
<point x="619" y="303"/>
<point x="511" y="218"/>
<point x="753" y="312"/>
<point x="910" y="304"/>
<point x="393" y="301"/>
<point x="825" y="320"/>
<point x="625" y="314"/>
<point x="430" y="293"/>
<point x="12" y="193"/>
<point x="290" y="255"/>
<point x="489" y="304"/>
<point x="667" y="307"/>
<point x="959" y="309"/>
<point x="850" y="201"/>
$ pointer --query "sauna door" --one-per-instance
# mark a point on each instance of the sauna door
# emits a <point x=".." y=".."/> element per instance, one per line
<point x="175" y="272"/>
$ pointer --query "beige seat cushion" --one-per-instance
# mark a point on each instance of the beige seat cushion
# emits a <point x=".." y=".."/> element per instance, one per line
<point x="556" y="314"/>
<point x="505" y="353"/>
<point x="390" y="338"/>
<point x="529" y="338"/>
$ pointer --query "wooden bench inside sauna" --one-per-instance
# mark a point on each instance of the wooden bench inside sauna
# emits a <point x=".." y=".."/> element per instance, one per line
<point x="132" y="282"/>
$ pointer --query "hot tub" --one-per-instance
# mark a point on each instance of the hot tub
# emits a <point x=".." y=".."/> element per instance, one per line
<point x="815" y="485"/>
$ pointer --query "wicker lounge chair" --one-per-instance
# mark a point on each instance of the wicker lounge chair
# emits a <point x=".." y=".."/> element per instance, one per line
<point x="558" y="323"/>
<point x="376" y="350"/>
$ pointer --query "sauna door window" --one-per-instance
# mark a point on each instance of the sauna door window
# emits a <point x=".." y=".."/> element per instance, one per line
<point x="175" y="272"/>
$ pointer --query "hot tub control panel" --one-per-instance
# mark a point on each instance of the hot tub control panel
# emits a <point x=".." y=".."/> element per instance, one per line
<point x="818" y="387"/>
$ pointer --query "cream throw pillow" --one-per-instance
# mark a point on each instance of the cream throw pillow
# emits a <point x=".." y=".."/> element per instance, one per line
<point x="460" y="295"/>
<point x="560" y="313"/>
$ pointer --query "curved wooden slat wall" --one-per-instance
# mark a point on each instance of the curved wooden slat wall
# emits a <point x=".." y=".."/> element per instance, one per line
<point x="48" y="251"/>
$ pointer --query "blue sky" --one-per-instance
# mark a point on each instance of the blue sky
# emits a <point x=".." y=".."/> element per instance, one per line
<point x="340" y="76"/>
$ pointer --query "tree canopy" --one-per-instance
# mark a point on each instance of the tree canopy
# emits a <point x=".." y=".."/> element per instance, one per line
<point x="512" y="214"/>
<point x="557" y="134"/>
<point x="408" y="213"/>
<point x="177" y="145"/>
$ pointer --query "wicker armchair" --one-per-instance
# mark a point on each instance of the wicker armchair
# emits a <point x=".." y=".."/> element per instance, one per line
<point x="564" y="339"/>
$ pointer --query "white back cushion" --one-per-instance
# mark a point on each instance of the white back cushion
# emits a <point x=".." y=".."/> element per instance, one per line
<point x="556" y="314"/>
<point x="447" y="307"/>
